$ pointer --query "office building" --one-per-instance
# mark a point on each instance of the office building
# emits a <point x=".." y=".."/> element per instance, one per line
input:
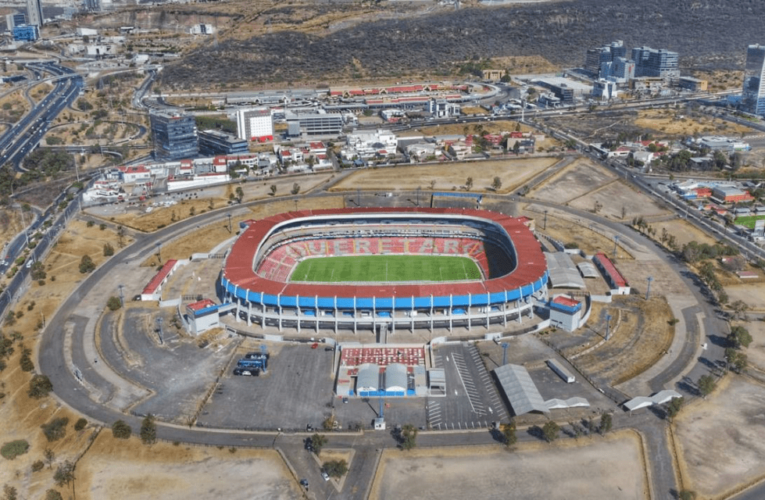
<point x="314" y="123"/>
<point x="175" y="136"/>
<point x="659" y="63"/>
<point x="13" y="20"/>
<point x="753" y="99"/>
<point x="693" y="84"/>
<point x="34" y="12"/>
<point x="25" y="33"/>
<point x="255" y="124"/>
<point x="596" y="58"/>
<point x="215" y="142"/>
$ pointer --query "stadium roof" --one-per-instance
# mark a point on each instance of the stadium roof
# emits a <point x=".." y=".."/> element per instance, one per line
<point x="368" y="378"/>
<point x="156" y="281"/>
<point x="239" y="269"/>
<point x="396" y="377"/>
<point x="563" y="273"/>
<point x="562" y="404"/>
<point x="659" y="398"/>
<point x="610" y="269"/>
<point x="520" y="390"/>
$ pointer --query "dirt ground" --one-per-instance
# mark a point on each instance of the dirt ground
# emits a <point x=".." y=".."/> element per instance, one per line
<point x="114" y="469"/>
<point x="677" y="122"/>
<point x="721" y="79"/>
<point x="13" y="106"/>
<point x="10" y="225"/>
<point x="103" y="133"/>
<point x="574" y="181"/>
<point x="720" y="439"/>
<point x="615" y="197"/>
<point x="534" y="470"/>
<point x="513" y="173"/>
<point x="753" y="295"/>
<point x="494" y="127"/>
<point x="684" y="232"/>
<point x="641" y="336"/>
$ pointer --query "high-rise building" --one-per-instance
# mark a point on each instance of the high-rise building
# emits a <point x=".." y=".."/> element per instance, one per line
<point x="659" y="63"/>
<point x="753" y="98"/>
<point x="596" y="59"/>
<point x="34" y="12"/>
<point x="13" y="20"/>
<point x="255" y="124"/>
<point x="175" y="136"/>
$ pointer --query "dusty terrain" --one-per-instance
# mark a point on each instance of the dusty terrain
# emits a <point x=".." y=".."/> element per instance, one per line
<point x="756" y="350"/>
<point x="10" y="224"/>
<point x="753" y="295"/>
<point x="683" y="231"/>
<point x="574" y="181"/>
<point x="513" y="173"/>
<point x="680" y="123"/>
<point x="616" y="198"/>
<point x="130" y="470"/>
<point x="535" y="470"/>
<point x="720" y="439"/>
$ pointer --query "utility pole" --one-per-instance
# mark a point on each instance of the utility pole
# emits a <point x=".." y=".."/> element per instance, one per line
<point x="505" y="345"/>
<point x="159" y="330"/>
<point x="648" y="290"/>
<point x="229" y="221"/>
<point x="616" y="243"/>
<point x="159" y="249"/>
<point x="608" y="327"/>
<point x="545" y="223"/>
<point x="122" y="295"/>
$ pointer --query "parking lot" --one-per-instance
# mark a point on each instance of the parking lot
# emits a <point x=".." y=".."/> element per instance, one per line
<point x="472" y="400"/>
<point x="296" y="391"/>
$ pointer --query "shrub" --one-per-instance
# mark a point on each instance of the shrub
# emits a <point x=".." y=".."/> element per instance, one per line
<point x="39" y="386"/>
<point x="26" y="362"/>
<point x="90" y="223"/>
<point x="102" y="226"/>
<point x="55" y="429"/>
<point x="53" y="495"/>
<point x="149" y="430"/>
<point x="38" y="466"/>
<point x="336" y="468"/>
<point x="86" y="264"/>
<point x="113" y="303"/>
<point x="108" y="250"/>
<point x="121" y="430"/>
<point x="13" y="449"/>
<point x="80" y="424"/>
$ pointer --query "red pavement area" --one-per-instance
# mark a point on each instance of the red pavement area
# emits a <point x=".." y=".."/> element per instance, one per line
<point x="383" y="356"/>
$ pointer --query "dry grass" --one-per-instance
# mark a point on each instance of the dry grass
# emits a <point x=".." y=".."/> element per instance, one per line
<point x="642" y="337"/>
<point x="10" y="225"/>
<point x="449" y="176"/>
<point x="13" y="106"/>
<point x="683" y="231"/>
<point x="161" y="217"/>
<point x="675" y="123"/>
<point x="586" y="239"/>
<point x="474" y="110"/>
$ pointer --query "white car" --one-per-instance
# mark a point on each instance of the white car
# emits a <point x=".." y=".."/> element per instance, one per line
<point x="325" y="475"/>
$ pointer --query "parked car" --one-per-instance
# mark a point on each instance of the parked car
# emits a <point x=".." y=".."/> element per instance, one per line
<point x="325" y="475"/>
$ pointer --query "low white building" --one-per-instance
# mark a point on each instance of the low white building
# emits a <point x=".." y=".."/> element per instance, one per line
<point x="202" y="29"/>
<point x="377" y="139"/>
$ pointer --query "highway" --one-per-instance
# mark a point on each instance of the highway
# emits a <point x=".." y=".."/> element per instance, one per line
<point x="26" y="134"/>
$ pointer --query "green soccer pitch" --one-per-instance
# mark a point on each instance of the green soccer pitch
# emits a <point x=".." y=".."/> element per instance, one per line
<point x="386" y="268"/>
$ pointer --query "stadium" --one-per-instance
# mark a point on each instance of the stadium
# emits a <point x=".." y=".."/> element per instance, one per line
<point x="384" y="269"/>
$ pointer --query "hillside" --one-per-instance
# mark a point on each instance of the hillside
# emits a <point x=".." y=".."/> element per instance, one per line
<point x="708" y="34"/>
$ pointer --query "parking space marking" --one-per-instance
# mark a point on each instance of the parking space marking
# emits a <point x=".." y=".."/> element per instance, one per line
<point x="491" y="389"/>
<point x="466" y="378"/>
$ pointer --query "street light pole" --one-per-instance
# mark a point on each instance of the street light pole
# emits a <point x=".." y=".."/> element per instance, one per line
<point x="505" y="345"/>
<point x="648" y="290"/>
<point x="229" y="222"/>
<point x="616" y="243"/>
<point x="122" y="295"/>
<point x="159" y="252"/>
<point x="608" y="326"/>
<point x="545" y="223"/>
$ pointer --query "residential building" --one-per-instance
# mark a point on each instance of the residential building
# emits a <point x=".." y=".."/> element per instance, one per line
<point x="658" y="63"/>
<point x="255" y="124"/>
<point x="13" y="20"/>
<point x="34" y="13"/>
<point x="131" y="175"/>
<point x="753" y="98"/>
<point x="215" y="142"/>
<point x="693" y="84"/>
<point x="26" y="33"/>
<point x="314" y="122"/>
<point x="175" y="136"/>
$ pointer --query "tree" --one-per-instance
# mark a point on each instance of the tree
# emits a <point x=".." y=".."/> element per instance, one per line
<point x="80" y="424"/>
<point x="550" y="431"/>
<point x="739" y="308"/>
<point x="149" y="430"/>
<point x="739" y="337"/>
<point x="55" y="429"/>
<point x="469" y="183"/>
<point x="49" y="456"/>
<point x="13" y="449"/>
<point x="38" y="271"/>
<point x="508" y="434"/>
<point x="10" y="493"/>
<point x="409" y="437"/>
<point x="86" y="264"/>
<point x="318" y="441"/>
<point x="273" y="189"/>
<point x="432" y="185"/>
<point x="687" y="495"/>
<point x="114" y="303"/>
<point x="606" y="422"/>
<point x="295" y="188"/>
<point x="496" y="184"/>
<point x="239" y="194"/>
<point x="108" y="250"/>
<point x="517" y="148"/>
<point x="121" y="234"/>
<point x="39" y="387"/>
<point x="121" y="430"/>
<point x="25" y="360"/>
<point x="53" y="495"/>
<point x="673" y="408"/>
<point x="64" y="474"/>
<point x="335" y="468"/>
<point x="706" y="385"/>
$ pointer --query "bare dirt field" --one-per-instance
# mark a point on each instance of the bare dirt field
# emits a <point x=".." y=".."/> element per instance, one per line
<point x="720" y="439"/>
<point x="534" y="470"/>
<point x="565" y="231"/>
<point x="756" y="350"/>
<point x="683" y="231"/>
<point x="752" y="294"/>
<point x="677" y="123"/>
<point x="616" y="197"/>
<point x="114" y="469"/>
<point x="513" y="173"/>
<point x="574" y="181"/>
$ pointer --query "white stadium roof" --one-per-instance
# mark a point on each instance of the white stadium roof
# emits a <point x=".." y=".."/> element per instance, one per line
<point x="563" y="272"/>
<point x="587" y="270"/>
<point x="520" y="390"/>
<point x="659" y="398"/>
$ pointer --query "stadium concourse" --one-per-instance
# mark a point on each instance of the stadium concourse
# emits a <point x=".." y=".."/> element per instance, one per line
<point x="509" y="270"/>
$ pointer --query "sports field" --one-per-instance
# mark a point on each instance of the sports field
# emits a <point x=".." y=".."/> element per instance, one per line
<point x="386" y="268"/>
